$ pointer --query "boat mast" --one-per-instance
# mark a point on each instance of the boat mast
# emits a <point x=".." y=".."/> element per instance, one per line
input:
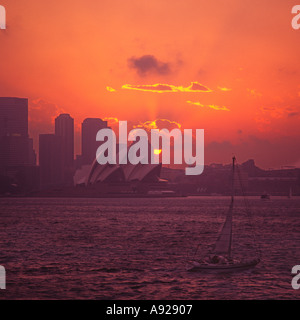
<point x="231" y="205"/>
<point x="233" y="170"/>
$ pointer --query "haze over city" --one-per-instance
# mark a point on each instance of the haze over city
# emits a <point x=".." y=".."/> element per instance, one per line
<point x="207" y="67"/>
<point x="138" y="214"/>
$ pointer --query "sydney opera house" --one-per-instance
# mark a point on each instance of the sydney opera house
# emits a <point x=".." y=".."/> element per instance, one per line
<point x="122" y="178"/>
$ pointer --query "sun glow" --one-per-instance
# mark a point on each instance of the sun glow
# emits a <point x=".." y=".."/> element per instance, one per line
<point x="157" y="151"/>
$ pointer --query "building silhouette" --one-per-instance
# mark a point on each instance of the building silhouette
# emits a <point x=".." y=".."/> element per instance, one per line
<point x="50" y="161"/>
<point x="13" y="117"/>
<point x="90" y="128"/>
<point x="64" y="130"/>
<point x="17" y="157"/>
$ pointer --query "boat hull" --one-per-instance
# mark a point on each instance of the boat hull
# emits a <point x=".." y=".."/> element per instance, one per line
<point x="198" y="267"/>
<point x="265" y="197"/>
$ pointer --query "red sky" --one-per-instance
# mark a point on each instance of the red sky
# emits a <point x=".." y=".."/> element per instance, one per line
<point x="85" y="57"/>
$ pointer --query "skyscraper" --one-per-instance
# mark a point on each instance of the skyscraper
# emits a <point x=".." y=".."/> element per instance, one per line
<point x="16" y="148"/>
<point x="90" y="127"/>
<point x="50" y="160"/>
<point x="17" y="157"/>
<point x="64" y="130"/>
<point x="13" y="117"/>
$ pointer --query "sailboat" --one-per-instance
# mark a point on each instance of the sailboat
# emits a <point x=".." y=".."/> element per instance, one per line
<point x="220" y="258"/>
<point x="265" y="196"/>
<point x="290" y="193"/>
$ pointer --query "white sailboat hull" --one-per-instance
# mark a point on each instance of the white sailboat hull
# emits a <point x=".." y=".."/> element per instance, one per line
<point x="199" y="267"/>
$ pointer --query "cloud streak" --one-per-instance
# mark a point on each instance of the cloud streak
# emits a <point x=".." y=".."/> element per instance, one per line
<point x="159" y="124"/>
<point x="224" y="89"/>
<point x="211" y="106"/>
<point x="111" y="120"/>
<point x="110" y="89"/>
<point x="168" y="88"/>
<point x="279" y="112"/>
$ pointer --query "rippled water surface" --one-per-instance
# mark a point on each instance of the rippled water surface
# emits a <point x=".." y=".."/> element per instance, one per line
<point x="138" y="248"/>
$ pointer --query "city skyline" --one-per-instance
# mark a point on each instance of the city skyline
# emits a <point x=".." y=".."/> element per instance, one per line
<point x="235" y="79"/>
<point x="90" y="126"/>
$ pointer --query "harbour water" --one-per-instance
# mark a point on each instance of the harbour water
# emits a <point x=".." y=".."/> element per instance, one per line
<point x="139" y="248"/>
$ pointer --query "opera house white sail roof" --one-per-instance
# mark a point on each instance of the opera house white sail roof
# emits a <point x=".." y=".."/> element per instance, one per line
<point x="97" y="173"/>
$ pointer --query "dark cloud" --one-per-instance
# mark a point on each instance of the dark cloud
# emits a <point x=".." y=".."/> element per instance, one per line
<point x="293" y="114"/>
<point x="288" y="72"/>
<point x="149" y="64"/>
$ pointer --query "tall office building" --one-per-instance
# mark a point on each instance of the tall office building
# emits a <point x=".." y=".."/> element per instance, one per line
<point x="50" y="160"/>
<point x="16" y="149"/>
<point x="64" y="130"/>
<point x="17" y="157"/>
<point x="90" y="128"/>
<point x="13" y="117"/>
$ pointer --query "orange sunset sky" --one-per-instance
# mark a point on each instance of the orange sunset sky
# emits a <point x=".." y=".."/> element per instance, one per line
<point x="230" y="67"/>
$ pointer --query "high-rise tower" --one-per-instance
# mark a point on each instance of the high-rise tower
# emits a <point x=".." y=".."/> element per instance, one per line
<point x="90" y="128"/>
<point x="15" y="146"/>
<point x="64" y="130"/>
